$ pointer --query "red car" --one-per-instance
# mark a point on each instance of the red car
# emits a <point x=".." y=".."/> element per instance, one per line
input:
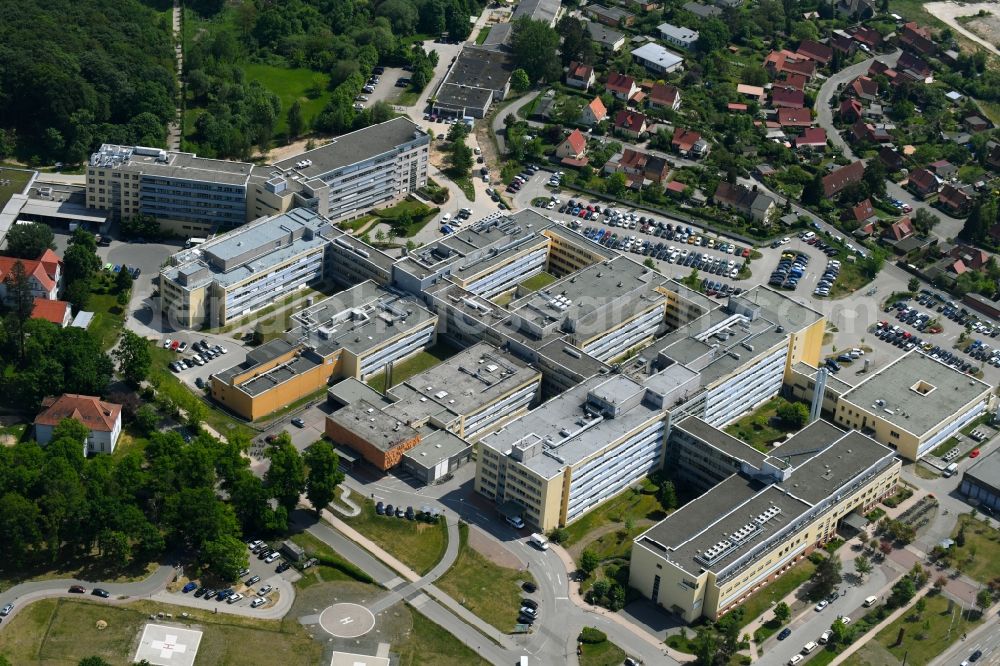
<point x="175" y="344"/>
<point x="77" y="589"/>
<point x="974" y="453"/>
<point x="746" y="252"/>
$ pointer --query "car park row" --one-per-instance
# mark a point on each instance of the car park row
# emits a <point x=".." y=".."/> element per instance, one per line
<point x="202" y="352"/>
<point x="790" y="269"/>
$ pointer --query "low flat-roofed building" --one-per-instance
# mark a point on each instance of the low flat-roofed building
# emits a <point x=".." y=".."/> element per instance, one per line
<point x="244" y="270"/>
<point x="478" y="78"/>
<point x="914" y="404"/>
<point x="981" y="482"/>
<point x="537" y="10"/>
<point x="742" y="351"/>
<point x="657" y="59"/>
<point x="380" y="438"/>
<point x="575" y="451"/>
<point x="766" y="513"/>
<point x="470" y="394"/>
<point x="436" y="456"/>
<point x="355" y="333"/>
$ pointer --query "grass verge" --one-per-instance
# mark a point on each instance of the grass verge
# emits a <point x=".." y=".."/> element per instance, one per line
<point x="978" y="557"/>
<point x="761" y="600"/>
<point x="416" y="544"/>
<point x="761" y="428"/>
<point x="628" y="504"/>
<point x="464" y="183"/>
<point x="413" y="365"/>
<point x="432" y="645"/>
<point x="604" y="653"/>
<point x="490" y="591"/>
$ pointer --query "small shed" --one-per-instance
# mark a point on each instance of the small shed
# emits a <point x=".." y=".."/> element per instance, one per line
<point x="292" y="551"/>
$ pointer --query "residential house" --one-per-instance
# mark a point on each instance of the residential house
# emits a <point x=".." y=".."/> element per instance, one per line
<point x="675" y="188"/>
<point x="917" y="38"/>
<point x="610" y="40"/>
<point x="838" y="179"/>
<point x="657" y="59"/>
<point x="975" y="124"/>
<point x="58" y="312"/>
<point x="642" y="5"/>
<point x="993" y="155"/>
<point x="44" y="275"/>
<point x="862" y="212"/>
<point x="915" y="68"/>
<point x="795" y="117"/>
<point x="748" y="202"/>
<point x="843" y="42"/>
<point x="813" y="50"/>
<point x="784" y="61"/>
<point x="923" y="183"/>
<point x="792" y="82"/>
<point x="729" y="4"/>
<point x="956" y="200"/>
<point x="736" y="108"/>
<point x="689" y="142"/>
<point x="593" y="113"/>
<point x="850" y="110"/>
<point x="102" y="419"/>
<point x="943" y="169"/>
<point x="812" y="137"/>
<point x="681" y="37"/>
<point x="863" y="131"/>
<point x="665" y="96"/>
<point x="612" y="16"/>
<point x="891" y="158"/>
<point x="900" y="230"/>
<point x="972" y="257"/>
<point x="573" y="147"/>
<point x="579" y="75"/>
<point x="867" y="36"/>
<point x="640" y="168"/>
<point x="702" y="11"/>
<point x="860" y="10"/>
<point x="630" y="123"/>
<point x="865" y="88"/>
<point x="787" y="98"/>
<point x="756" y="93"/>
<point x="623" y="87"/>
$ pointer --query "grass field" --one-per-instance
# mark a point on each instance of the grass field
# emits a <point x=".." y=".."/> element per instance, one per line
<point x="61" y="632"/>
<point x="628" y="504"/>
<point x="490" y="591"/>
<point x="980" y="556"/>
<point x="413" y="365"/>
<point x="464" y="183"/>
<point x="304" y="85"/>
<point x="760" y="428"/>
<point x="483" y="34"/>
<point x="332" y="566"/>
<point x="416" y="544"/>
<point x="109" y="318"/>
<point x="18" y="179"/>
<point x="760" y="601"/>
<point x="431" y="645"/>
<point x="601" y="654"/>
<point x="419" y="214"/>
<point x="538" y="281"/>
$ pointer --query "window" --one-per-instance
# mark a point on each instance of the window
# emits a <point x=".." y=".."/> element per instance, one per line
<point x="893" y="434"/>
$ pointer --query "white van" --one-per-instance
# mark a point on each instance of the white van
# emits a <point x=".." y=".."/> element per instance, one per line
<point x="809" y="647"/>
<point x="539" y="541"/>
<point x="825" y="636"/>
<point x="516" y="522"/>
<point x="950" y="469"/>
<point x="870" y="601"/>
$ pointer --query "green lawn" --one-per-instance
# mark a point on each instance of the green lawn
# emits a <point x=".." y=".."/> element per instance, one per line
<point x="109" y="317"/>
<point x="416" y="544"/>
<point x="483" y="34"/>
<point x="851" y="279"/>
<point x="18" y="179"/>
<point x="490" y="591"/>
<point x="413" y="365"/>
<point x="760" y="601"/>
<point x="681" y="643"/>
<point x="167" y="384"/>
<point x="601" y="654"/>
<point x="641" y="505"/>
<point x="419" y="214"/>
<point x="14" y="433"/>
<point x="305" y="85"/>
<point x="538" y="281"/>
<point x="331" y="565"/>
<point x="63" y="631"/>
<point x="431" y="645"/>
<point x="980" y="556"/>
<point x="465" y="184"/>
<point x="761" y="427"/>
<point x="927" y="637"/>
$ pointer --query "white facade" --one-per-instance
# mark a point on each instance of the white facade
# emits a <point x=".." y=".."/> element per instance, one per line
<point x="98" y="441"/>
<point x="744" y="391"/>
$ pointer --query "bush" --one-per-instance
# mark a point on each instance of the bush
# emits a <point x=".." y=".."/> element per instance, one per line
<point x="558" y="535"/>
<point x="592" y="636"/>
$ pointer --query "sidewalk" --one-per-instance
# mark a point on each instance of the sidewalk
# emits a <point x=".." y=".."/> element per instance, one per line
<point x="369" y="545"/>
<point x="871" y="633"/>
<point x="574" y="596"/>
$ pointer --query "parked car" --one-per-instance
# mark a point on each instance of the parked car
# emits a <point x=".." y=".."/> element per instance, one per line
<point x="271" y="558"/>
<point x="264" y="590"/>
<point x="252" y="580"/>
<point x="5" y="611"/>
<point x="298" y="423"/>
<point x="76" y="589"/>
<point x="100" y="592"/>
<point x="187" y="588"/>
<point x="785" y="633"/>
<point x="259" y="601"/>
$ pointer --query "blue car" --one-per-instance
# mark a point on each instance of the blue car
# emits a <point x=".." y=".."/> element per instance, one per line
<point x="117" y="268"/>
<point x="189" y="587"/>
<point x="785" y="633"/>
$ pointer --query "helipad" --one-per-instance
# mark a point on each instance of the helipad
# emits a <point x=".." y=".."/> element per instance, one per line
<point x="347" y="620"/>
<point x="168" y="646"/>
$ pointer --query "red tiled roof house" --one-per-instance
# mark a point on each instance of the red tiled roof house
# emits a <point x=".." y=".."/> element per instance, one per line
<point x="102" y="419"/>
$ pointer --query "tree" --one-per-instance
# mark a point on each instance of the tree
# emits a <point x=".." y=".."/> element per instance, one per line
<point x="862" y="565"/>
<point x="667" y="495"/>
<point x="115" y="547"/>
<point x="146" y="419"/>
<point x="29" y="241"/>
<point x="713" y="34"/>
<point x="22" y="303"/>
<point x="93" y="661"/>
<point x="519" y="80"/>
<point x="940" y="582"/>
<point x="902" y="592"/>
<point x="226" y="556"/>
<point x="782" y="612"/>
<point x="123" y="281"/>
<point x="874" y="178"/>
<point x="982" y="216"/>
<point x="984" y="599"/>
<point x="134" y="357"/>
<point x="589" y="561"/>
<point x="793" y="415"/>
<point x="535" y="47"/>
<point x="706" y="647"/>
<point x="840" y="633"/>
<point x="827" y="576"/>
<point x="324" y="475"/>
<point x="615" y="184"/>
<point x="813" y="192"/>
<point x="20" y="523"/>
<point x="286" y="477"/>
<point x="461" y="160"/>
<point x="913" y="284"/>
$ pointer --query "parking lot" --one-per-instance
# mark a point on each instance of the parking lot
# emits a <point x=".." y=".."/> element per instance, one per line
<point x="235" y="354"/>
<point x="385" y="90"/>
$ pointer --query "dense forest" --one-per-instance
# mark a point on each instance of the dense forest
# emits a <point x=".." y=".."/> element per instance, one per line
<point x="74" y="73"/>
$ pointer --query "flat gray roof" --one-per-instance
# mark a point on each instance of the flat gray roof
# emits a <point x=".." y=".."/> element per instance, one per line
<point x="436" y="447"/>
<point x="477" y="67"/>
<point x="562" y="353"/>
<point x="171" y="164"/>
<point x="537" y="10"/>
<point x="986" y="472"/>
<point x="918" y="392"/>
<point x="462" y="384"/>
<point x="370" y="423"/>
<point x="721" y="440"/>
<point x="833" y="382"/>
<point x="819" y="476"/>
<point x="454" y="96"/>
<point x="499" y="36"/>
<point x="602" y="33"/>
<point x="357" y="319"/>
<point x="357" y="146"/>
<point x="351" y="390"/>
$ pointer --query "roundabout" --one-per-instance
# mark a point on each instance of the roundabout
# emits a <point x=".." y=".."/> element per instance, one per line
<point x="346" y="620"/>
